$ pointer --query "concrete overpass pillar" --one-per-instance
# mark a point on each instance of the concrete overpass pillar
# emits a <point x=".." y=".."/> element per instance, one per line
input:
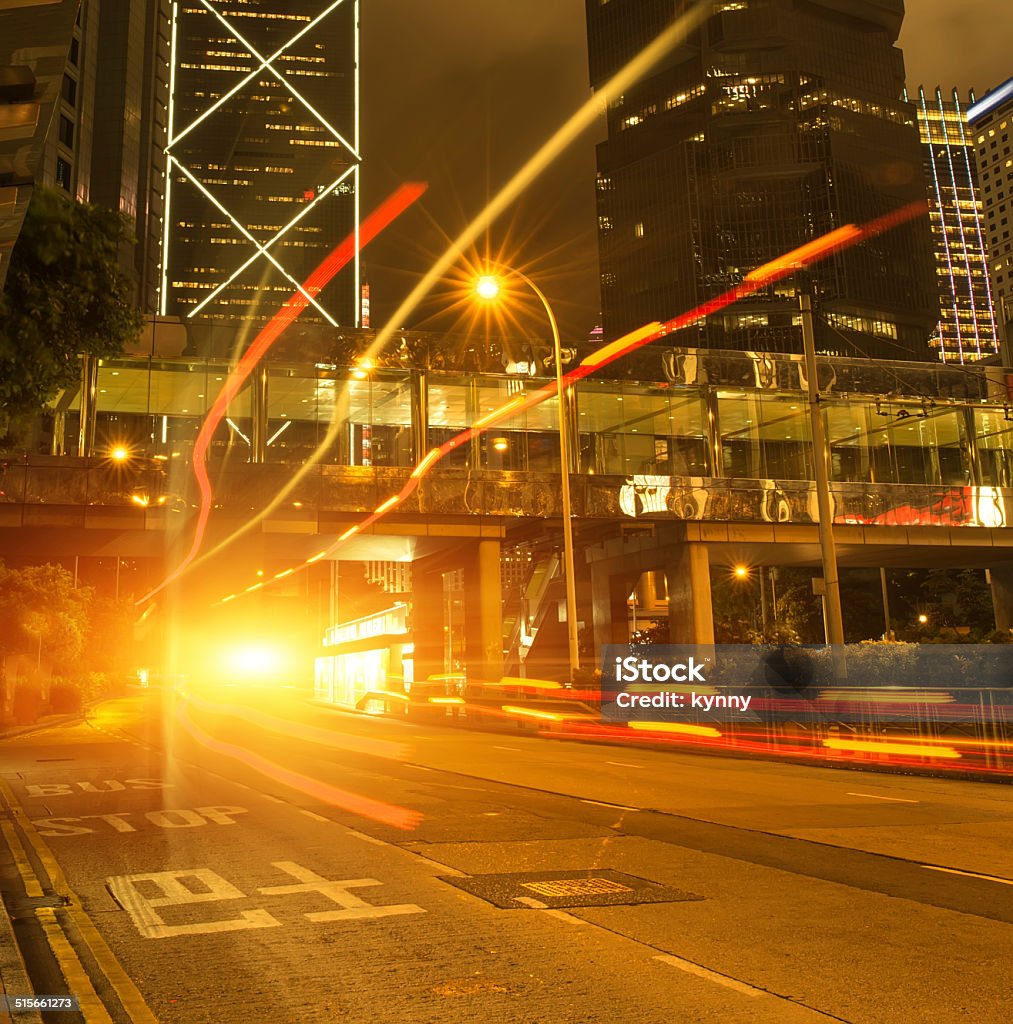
<point x="427" y="621"/>
<point x="1002" y="597"/>
<point x="610" y="594"/>
<point x="483" y="612"/>
<point x="690" y="610"/>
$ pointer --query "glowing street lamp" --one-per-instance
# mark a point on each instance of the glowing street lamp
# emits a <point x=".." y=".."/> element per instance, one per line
<point x="488" y="288"/>
<point x="741" y="572"/>
<point x="119" y="453"/>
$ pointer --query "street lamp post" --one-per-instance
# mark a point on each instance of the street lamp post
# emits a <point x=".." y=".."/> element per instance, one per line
<point x="828" y="549"/>
<point x="488" y="289"/>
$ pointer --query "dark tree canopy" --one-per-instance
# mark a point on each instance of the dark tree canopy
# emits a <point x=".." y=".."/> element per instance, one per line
<point x="65" y="295"/>
<point x="41" y="609"/>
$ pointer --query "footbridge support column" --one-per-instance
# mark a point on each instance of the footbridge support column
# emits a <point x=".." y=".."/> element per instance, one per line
<point x="618" y="564"/>
<point x="1002" y="597"/>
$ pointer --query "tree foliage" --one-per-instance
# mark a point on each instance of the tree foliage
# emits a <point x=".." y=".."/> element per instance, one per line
<point x="65" y="295"/>
<point x="41" y="608"/>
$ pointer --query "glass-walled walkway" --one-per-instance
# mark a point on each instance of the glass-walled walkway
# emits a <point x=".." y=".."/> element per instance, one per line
<point x="390" y="418"/>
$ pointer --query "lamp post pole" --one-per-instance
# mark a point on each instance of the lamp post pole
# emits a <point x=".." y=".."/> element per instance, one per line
<point x="828" y="549"/>
<point x="569" y="571"/>
<point x="488" y="288"/>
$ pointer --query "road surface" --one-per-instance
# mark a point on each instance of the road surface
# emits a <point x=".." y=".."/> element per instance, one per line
<point x="268" y="860"/>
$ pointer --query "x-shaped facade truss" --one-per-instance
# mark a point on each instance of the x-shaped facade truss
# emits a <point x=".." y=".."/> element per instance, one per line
<point x="177" y="134"/>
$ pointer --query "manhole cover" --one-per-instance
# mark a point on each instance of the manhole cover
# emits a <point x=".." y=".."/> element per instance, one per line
<point x="576" y="887"/>
<point x="561" y="889"/>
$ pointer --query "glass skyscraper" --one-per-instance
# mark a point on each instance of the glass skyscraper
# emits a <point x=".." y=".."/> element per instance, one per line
<point x="263" y="158"/>
<point x="991" y="120"/>
<point x="967" y="327"/>
<point x="777" y="122"/>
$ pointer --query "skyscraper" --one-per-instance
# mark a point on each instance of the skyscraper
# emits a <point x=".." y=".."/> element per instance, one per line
<point x="967" y="329"/>
<point x="34" y="43"/>
<point x="263" y="158"/>
<point x="778" y="121"/>
<point x="129" y="131"/>
<point x="991" y="119"/>
<point x="108" y="137"/>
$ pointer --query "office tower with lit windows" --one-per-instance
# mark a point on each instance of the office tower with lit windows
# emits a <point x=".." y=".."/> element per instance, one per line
<point x="776" y="122"/>
<point x="991" y="121"/>
<point x="263" y="159"/>
<point x="34" y="44"/>
<point x="108" y="136"/>
<point x="967" y="328"/>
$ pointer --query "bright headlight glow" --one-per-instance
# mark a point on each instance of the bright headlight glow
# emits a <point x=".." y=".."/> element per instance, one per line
<point x="253" y="661"/>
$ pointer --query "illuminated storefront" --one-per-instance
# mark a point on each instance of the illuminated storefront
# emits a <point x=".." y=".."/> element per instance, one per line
<point x="364" y="656"/>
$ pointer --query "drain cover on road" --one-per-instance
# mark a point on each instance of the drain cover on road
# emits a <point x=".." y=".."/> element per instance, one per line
<point x="559" y="889"/>
<point x="25" y="906"/>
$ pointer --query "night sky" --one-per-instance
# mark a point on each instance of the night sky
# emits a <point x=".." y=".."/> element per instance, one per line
<point x="460" y="92"/>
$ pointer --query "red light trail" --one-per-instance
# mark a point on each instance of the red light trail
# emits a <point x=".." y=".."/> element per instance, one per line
<point x="385" y="214"/>
<point x="769" y="273"/>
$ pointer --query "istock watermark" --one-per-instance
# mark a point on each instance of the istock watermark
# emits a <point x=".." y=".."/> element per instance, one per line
<point x="872" y="684"/>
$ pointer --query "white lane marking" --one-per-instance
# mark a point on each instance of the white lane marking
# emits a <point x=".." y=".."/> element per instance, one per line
<point x="513" y="750"/>
<point x="719" y="979"/>
<point x="273" y="799"/>
<point x="313" y="815"/>
<point x="143" y="909"/>
<point x="533" y="903"/>
<point x="561" y="915"/>
<point x="419" y="768"/>
<point x="892" y="799"/>
<point x="611" y="807"/>
<point x="969" y="874"/>
<point x="352" y="908"/>
<point x="442" y="868"/>
<point x="623" y="764"/>
<point x="365" y="838"/>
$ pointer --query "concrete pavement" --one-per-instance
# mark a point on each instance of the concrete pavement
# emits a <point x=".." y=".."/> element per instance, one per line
<point x="791" y="894"/>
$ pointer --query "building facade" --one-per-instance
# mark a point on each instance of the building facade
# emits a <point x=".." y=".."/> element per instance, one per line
<point x="991" y="119"/>
<point x="108" y="138"/>
<point x="34" y="43"/>
<point x="777" y="122"/>
<point x="67" y="158"/>
<point x="967" y="329"/>
<point x="263" y="159"/>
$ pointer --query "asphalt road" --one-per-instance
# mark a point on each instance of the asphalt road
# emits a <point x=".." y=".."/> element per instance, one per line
<point x="274" y="861"/>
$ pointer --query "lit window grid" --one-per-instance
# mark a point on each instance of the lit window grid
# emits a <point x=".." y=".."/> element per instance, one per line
<point x="967" y="328"/>
<point x="990" y="120"/>
<point x="625" y="428"/>
<point x="266" y="63"/>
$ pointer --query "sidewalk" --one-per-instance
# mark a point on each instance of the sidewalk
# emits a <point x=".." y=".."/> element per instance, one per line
<point x="9" y="732"/>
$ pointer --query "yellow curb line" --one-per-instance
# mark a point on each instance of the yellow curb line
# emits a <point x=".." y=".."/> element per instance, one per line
<point x="92" y="1007"/>
<point x="126" y="991"/>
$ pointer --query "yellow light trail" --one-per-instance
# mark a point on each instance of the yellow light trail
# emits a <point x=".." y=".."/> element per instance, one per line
<point x="682" y="728"/>
<point x="678" y="32"/>
<point x="899" y="749"/>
